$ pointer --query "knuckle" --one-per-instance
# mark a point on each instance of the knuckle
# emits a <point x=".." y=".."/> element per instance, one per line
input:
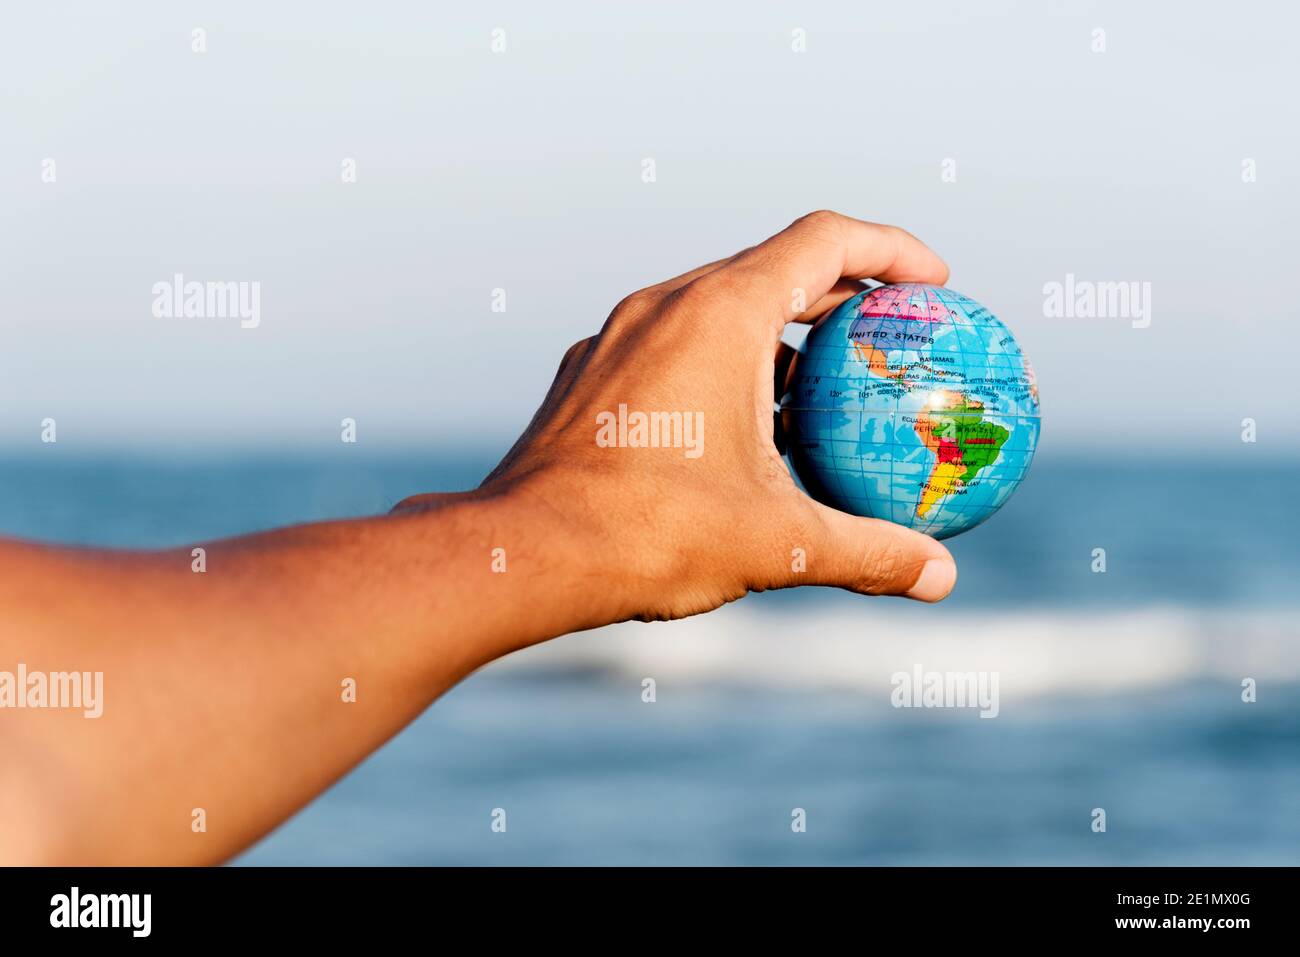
<point x="723" y="284"/>
<point x="821" y="221"/>
<point x="573" y="354"/>
<point x="633" y="303"/>
<point x="709" y="297"/>
<point x="698" y="292"/>
<point x="629" y="310"/>
<point x="899" y="240"/>
<point x="691" y="298"/>
<point x="577" y="349"/>
<point x="898" y="235"/>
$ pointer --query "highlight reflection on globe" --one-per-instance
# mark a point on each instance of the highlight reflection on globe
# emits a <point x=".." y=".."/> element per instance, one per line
<point x="912" y="403"/>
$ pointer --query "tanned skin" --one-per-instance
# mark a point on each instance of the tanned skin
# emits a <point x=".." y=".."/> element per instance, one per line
<point x="222" y="690"/>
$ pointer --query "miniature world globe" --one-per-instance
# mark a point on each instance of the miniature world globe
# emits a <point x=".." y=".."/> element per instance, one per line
<point x="912" y="403"/>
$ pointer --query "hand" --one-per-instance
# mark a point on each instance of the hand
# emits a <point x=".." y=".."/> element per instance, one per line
<point x="683" y="529"/>
<point x="401" y="607"/>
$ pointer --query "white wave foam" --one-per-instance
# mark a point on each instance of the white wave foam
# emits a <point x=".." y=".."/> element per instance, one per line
<point x="1034" y="652"/>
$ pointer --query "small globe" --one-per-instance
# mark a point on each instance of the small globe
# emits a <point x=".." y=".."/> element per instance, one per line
<point x="912" y="403"/>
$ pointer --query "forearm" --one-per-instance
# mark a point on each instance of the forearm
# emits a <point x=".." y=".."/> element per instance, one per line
<point x="227" y="689"/>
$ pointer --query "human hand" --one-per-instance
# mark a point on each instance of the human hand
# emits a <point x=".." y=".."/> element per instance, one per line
<point x="597" y="528"/>
<point x="674" y="531"/>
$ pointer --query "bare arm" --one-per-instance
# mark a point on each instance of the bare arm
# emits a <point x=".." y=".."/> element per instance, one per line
<point x="223" y="690"/>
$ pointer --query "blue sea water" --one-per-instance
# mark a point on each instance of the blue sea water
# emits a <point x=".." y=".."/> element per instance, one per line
<point x="589" y="773"/>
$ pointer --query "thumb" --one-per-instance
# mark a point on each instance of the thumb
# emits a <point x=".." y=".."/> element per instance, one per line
<point x="875" y="557"/>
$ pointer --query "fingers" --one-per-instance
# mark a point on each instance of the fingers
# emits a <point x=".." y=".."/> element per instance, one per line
<point x="843" y="290"/>
<point x="672" y="285"/>
<point x="641" y="302"/>
<point x="781" y="374"/>
<point x="573" y="357"/>
<point x="876" y="557"/>
<point x="815" y="252"/>
<point x="781" y="370"/>
<point x="570" y="365"/>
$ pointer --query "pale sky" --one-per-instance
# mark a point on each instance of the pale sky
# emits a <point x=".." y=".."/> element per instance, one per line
<point x="522" y="170"/>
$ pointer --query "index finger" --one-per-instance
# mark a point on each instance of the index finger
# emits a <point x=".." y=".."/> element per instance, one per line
<point x="814" y="252"/>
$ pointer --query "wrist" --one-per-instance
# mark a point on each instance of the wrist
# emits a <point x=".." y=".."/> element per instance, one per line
<point x="519" y="561"/>
<point x="557" y="541"/>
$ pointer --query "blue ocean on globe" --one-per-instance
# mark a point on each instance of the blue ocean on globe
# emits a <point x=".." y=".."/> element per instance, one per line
<point x="912" y="403"/>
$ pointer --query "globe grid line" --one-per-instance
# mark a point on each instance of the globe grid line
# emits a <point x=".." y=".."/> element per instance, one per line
<point x="840" y="406"/>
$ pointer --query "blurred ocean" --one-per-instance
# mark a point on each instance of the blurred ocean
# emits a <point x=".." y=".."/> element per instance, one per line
<point x="1119" y="690"/>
